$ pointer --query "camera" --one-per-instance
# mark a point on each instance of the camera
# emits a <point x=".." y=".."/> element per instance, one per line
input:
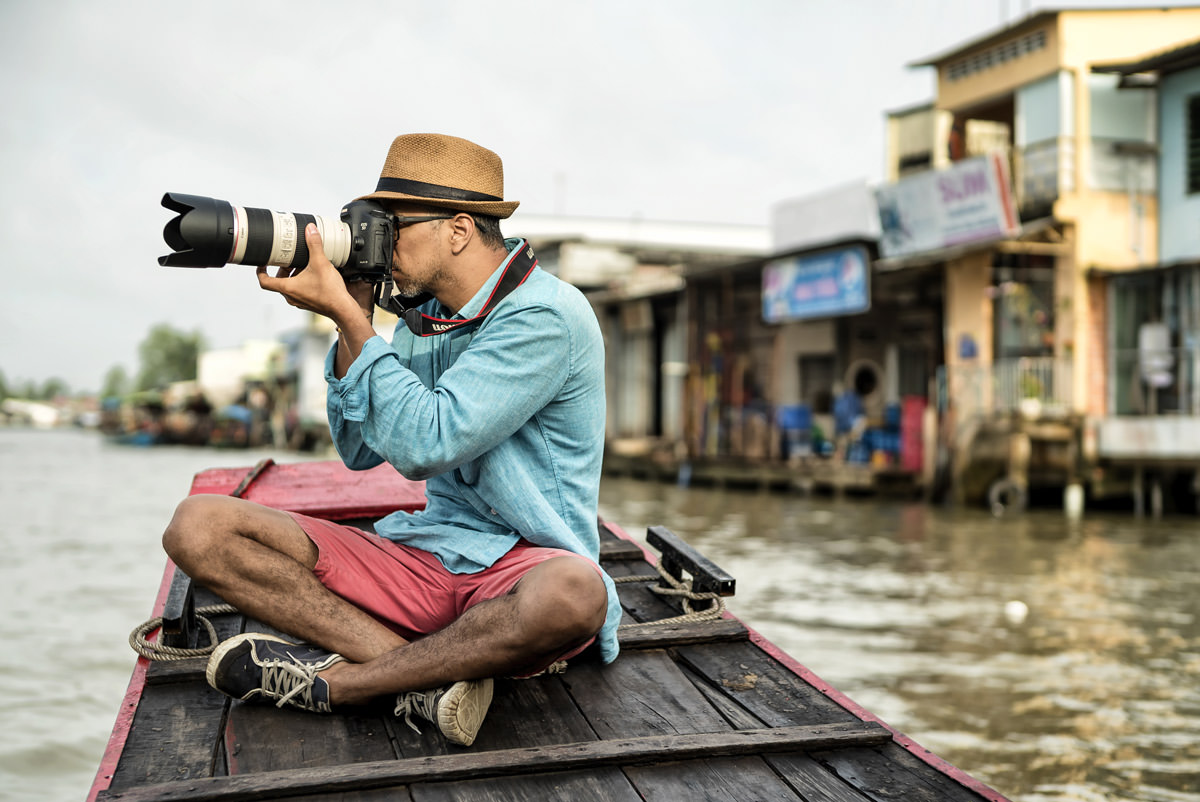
<point x="211" y="233"/>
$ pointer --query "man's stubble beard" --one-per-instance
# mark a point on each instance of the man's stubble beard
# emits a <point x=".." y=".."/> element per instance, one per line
<point x="409" y="287"/>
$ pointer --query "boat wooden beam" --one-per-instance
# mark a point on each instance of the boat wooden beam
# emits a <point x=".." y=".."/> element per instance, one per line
<point x="688" y="633"/>
<point x="620" y="550"/>
<point x="502" y="762"/>
<point x="678" y="555"/>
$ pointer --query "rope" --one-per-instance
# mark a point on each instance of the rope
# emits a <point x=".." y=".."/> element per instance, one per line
<point x="158" y="651"/>
<point x="686" y="596"/>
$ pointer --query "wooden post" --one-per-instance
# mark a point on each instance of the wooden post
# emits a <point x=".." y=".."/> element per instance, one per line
<point x="1020" y="450"/>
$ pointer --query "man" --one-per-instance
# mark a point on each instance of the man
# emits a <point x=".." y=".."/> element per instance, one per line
<point x="492" y="393"/>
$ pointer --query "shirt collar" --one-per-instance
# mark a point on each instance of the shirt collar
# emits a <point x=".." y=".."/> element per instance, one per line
<point x="473" y="306"/>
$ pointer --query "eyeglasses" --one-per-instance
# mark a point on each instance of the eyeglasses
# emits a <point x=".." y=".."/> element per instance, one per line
<point x="400" y="221"/>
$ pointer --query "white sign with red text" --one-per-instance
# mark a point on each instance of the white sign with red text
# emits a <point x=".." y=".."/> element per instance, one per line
<point x="970" y="201"/>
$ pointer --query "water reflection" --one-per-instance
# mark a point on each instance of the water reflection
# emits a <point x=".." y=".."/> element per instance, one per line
<point x="1056" y="660"/>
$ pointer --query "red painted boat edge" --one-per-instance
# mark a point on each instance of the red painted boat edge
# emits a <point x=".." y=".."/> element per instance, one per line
<point x="943" y="766"/>
<point x="839" y="698"/>
<point x="133" y="693"/>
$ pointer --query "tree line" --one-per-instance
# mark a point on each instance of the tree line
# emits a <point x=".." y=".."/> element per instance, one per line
<point x="165" y="355"/>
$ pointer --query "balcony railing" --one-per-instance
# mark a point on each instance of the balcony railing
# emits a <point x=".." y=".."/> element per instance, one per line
<point x="1028" y="384"/>
<point x="1044" y="171"/>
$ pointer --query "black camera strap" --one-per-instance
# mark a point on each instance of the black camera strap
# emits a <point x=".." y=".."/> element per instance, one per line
<point x="520" y="265"/>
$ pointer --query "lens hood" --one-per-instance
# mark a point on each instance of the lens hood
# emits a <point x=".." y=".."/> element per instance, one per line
<point x="202" y="233"/>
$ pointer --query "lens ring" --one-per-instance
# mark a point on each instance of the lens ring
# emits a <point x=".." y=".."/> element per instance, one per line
<point x="283" y="243"/>
<point x="260" y="236"/>
<point x="241" y="233"/>
<point x="300" y="259"/>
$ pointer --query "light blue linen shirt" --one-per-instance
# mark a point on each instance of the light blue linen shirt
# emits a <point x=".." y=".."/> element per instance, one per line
<point x="504" y="420"/>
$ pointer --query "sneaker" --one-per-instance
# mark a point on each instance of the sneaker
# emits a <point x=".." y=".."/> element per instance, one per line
<point x="255" y="666"/>
<point x="458" y="710"/>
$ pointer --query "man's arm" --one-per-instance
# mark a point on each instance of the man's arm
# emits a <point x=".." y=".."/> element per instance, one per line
<point x="320" y="288"/>
<point x="350" y="342"/>
<point x="516" y="363"/>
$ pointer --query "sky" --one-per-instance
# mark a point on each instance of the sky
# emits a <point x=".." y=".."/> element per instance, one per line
<point x="674" y="110"/>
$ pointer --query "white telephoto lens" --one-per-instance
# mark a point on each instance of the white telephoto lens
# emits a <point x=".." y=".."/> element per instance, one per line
<point x="335" y="236"/>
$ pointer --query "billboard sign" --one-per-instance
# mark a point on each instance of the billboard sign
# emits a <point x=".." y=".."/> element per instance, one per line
<point x="836" y="282"/>
<point x="970" y="201"/>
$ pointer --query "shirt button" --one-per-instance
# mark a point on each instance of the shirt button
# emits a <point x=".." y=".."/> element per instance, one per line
<point x="494" y="511"/>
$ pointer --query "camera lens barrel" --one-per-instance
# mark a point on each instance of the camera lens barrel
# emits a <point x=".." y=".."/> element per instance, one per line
<point x="211" y="233"/>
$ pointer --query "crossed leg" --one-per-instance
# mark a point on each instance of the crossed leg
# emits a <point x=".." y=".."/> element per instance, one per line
<point x="261" y="561"/>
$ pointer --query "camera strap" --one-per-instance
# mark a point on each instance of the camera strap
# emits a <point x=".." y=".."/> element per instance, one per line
<point x="520" y="264"/>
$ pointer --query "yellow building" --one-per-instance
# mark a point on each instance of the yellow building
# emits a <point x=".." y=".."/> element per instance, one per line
<point x="1029" y="172"/>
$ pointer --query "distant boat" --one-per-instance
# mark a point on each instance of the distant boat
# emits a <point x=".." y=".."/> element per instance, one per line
<point x="33" y="413"/>
<point x="691" y="710"/>
<point x="142" y="438"/>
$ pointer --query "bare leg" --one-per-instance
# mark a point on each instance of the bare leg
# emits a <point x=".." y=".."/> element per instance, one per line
<point x="260" y="561"/>
<point x="557" y="606"/>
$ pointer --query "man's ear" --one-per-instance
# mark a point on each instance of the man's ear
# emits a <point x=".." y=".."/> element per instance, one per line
<point x="462" y="231"/>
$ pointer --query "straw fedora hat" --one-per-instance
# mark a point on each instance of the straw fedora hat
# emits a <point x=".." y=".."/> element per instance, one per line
<point x="445" y="172"/>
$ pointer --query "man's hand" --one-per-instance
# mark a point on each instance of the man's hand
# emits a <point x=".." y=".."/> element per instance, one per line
<point x="319" y="287"/>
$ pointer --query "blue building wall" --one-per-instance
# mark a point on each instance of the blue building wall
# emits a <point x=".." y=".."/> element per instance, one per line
<point x="1178" y="212"/>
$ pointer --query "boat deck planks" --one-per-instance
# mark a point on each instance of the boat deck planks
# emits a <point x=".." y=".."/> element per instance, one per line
<point x="693" y="711"/>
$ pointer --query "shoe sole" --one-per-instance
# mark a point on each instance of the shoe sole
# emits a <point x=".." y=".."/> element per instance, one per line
<point x="462" y="710"/>
<point x="227" y="646"/>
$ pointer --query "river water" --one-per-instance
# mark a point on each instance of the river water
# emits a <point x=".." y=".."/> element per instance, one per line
<point x="1053" y="660"/>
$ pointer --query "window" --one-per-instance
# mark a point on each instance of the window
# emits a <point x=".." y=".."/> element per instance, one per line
<point x="1192" y="154"/>
<point x="1023" y="306"/>
<point x="1170" y="297"/>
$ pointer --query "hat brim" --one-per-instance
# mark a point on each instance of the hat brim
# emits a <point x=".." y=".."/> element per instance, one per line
<point x="501" y="209"/>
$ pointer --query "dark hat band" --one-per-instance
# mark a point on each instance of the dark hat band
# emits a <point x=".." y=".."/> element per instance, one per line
<point x="420" y="189"/>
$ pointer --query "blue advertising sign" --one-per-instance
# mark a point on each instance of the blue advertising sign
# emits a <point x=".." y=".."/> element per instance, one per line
<point x="821" y="285"/>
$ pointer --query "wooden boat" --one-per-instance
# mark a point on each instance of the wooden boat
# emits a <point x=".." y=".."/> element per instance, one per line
<point x="693" y="709"/>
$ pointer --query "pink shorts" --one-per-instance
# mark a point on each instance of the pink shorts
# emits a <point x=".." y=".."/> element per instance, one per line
<point x="409" y="590"/>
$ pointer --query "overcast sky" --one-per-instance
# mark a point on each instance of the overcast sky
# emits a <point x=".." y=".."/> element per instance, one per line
<point x="682" y="110"/>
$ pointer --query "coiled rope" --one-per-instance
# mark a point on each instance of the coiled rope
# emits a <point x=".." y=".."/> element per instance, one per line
<point x="682" y="590"/>
<point x="138" y="639"/>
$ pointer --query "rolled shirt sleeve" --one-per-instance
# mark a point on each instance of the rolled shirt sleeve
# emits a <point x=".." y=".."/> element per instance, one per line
<point x="381" y="410"/>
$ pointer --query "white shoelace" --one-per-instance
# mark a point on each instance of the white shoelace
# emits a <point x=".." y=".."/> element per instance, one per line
<point x="290" y="679"/>
<point x="420" y="703"/>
